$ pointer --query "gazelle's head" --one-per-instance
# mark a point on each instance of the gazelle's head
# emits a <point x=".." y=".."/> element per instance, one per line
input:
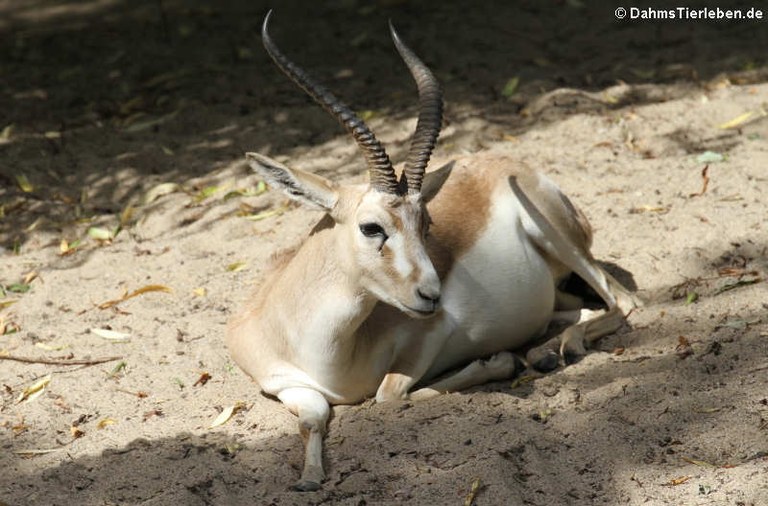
<point x="382" y="226"/>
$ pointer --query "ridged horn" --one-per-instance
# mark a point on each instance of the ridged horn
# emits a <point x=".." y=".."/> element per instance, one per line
<point x="382" y="175"/>
<point x="430" y="115"/>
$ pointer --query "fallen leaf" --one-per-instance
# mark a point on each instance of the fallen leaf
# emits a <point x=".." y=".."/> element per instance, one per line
<point x="76" y="432"/>
<point x="676" y="481"/>
<point x="34" y="390"/>
<point x="522" y="380"/>
<point x="24" y="184"/>
<point x="154" y="412"/>
<point x="36" y="452"/>
<point x="236" y="266"/>
<point x="111" y="335"/>
<point x="132" y="125"/>
<point x="683" y="348"/>
<point x="158" y="191"/>
<point x="5" y="303"/>
<point x="226" y="414"/>
<point x="99" y="233"/>
<point x="20" y="427"/>
<point x="50" y="347"/>
<point x="18" y="288"/>
<point x="67" y="248"/>
<point x="705" y="182"/>
<point x="470" y="499"/>
<point x="510" y="87"/>
<point x="135" y="293"/>
<point x="199" y="292"/>
<point x="105" y="422"/>
<point x="710" y="157"/>
<point x="738" y="120"/>
<point x="5" y="134"/>
<point x="202" y="380"/>
<point x="206" y="192"/>
<point x="700" y="463"/>
<point x="266" y="214"/>
<point x="30" y="276"/>
<point x="117" y="369"/>
<point x="742" y="282"/>
<point x="650" y="209"/>
<point x="707" y="410"/>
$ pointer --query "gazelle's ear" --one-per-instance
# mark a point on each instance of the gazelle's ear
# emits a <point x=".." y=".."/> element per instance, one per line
<point x="302" y="186"/>
<point x="434" y="180"/>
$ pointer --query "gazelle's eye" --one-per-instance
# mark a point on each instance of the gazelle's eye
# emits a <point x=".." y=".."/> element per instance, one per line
<point x="372" y="230"/>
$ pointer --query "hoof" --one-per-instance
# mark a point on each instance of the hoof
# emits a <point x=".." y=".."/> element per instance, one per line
<point x="547" y="362"/>
<point x="306" y="486"/>
<point x="571" y="357"/>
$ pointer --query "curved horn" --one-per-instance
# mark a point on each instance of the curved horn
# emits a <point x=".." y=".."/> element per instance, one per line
<point x="382" y="174"/>
<point x="430" y="115"/>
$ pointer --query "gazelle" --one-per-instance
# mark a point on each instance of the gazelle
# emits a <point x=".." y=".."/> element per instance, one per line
<point x="408" y="278"/>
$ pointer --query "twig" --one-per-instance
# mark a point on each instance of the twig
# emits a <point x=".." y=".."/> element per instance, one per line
<point x="28" y="360"/>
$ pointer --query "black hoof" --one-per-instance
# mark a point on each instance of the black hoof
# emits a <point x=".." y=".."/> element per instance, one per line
<point x="548" y="363"/>
<point x="571" y="357"/>
<point x="306" y="486"/>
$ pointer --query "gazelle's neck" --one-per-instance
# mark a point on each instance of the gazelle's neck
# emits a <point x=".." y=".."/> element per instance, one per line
<point x="329" y="303"/>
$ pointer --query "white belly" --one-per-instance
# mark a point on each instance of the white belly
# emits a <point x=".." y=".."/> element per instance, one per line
<point x="498" y="296"/>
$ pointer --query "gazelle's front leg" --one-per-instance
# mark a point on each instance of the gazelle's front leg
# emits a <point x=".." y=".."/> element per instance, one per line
<point x="503" y="365"/>
<point x="313" y="411"/>
<point x="414" y="358"/>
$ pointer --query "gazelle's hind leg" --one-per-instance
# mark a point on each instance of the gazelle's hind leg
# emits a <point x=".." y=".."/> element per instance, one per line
<point x="569" y="252"/>
<point x="500" y="366"/>
<point x="313" y="411"/>
<point x="573" y="342"/>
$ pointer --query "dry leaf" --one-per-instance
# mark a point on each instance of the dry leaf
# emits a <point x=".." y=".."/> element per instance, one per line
<point x="111" y="335"/>
<point x="236" y="266"/>
<point x="707" y="410"/>
<point x="105" y="422"/>
<point x="99" y="233"/>
<point x="140" y="291"/>
<point x="705" y="182"/>
<point x="199" y="292"/>
<point x="522" y="380"/>
<point x="24" y="184"/>
<point x="742" y="118"/>
<point x="677" y="481"/>
<point x="36" y="452"/>
<point x="650" y="209"/>
<point x="151" y="413"/>
<point x="202" y="380"/>
<point x="34" y="390"/>
<point x="158" y="191"/>
<point x="226" y="414"/>
<point x="30" y="276"/>
<point x="472" y="492"/>
<point x="683" y="348"/>
<point x="50" y="347"/>
<point x="700" y="463"/>
<point x="76" y="432"/>
<point x="67" y="248"/>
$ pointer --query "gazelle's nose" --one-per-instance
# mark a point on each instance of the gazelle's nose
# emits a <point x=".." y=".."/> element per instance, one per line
<point x="429" y="294"/>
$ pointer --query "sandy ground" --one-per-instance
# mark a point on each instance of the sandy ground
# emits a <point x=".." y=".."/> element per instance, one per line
<point x="136" y="115"/>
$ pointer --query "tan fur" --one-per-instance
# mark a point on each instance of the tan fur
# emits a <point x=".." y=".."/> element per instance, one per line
<point x="463" y="205"/>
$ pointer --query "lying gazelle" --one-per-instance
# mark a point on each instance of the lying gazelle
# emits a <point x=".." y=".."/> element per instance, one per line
<point x="406" y="279"/>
